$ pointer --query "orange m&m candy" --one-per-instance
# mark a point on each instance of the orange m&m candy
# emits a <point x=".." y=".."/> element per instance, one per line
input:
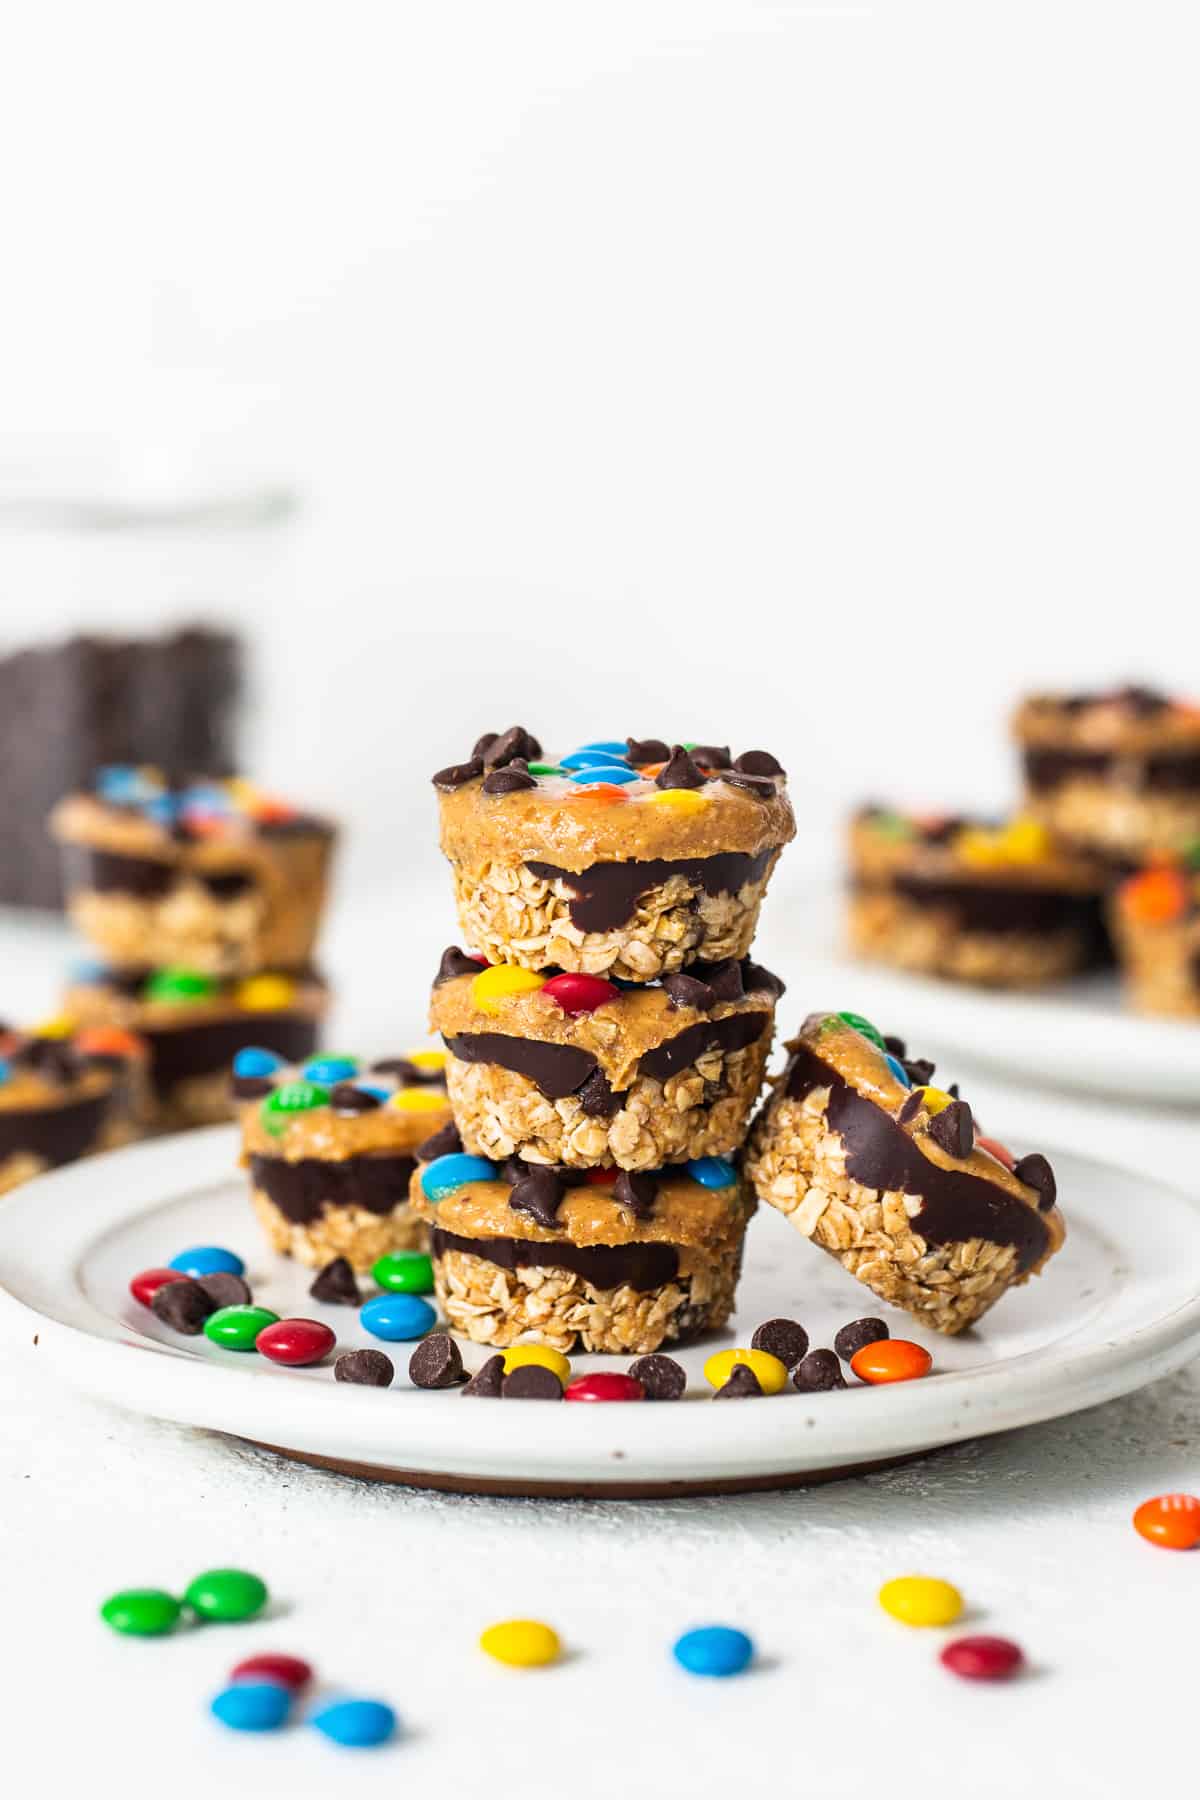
<point x="890" y="1359"/>
<point x="1155" y="897"/>
<point x="109" y="1040"/>
<point x="1172" y="1521"/>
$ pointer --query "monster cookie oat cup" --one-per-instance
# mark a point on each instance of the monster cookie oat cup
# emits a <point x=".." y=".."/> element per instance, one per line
<point x="213" y="876"/>
<point x="65" y="1094"/>
<point x="628" y="858"/>
<point x="607" y="1261"/>
<point x="890" y="1176"/>
<point x="575" y="1070"/>
<point x="330" y="1148"/>
<point x="1156" y="923"/>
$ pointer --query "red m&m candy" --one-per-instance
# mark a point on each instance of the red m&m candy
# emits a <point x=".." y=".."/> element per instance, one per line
<point x="983" y="1658"/>
<point x="1172" y="1521"/>
<point x="143" y="1287"/>
<point x="295" y="1342"/>
<point x="580" y="993"/>
<point x="604" y="1387"/>
<point x="288" y="1671"/>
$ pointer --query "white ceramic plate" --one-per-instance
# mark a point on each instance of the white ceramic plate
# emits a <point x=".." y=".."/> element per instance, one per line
<point x="1119" y="1307"/>
<point x="1079" y="1035"/>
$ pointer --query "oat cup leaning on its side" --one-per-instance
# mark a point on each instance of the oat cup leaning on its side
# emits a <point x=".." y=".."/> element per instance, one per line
<point x="330" y="1148"/>
<point x="1156" y="924"/>
<point x="1117" y="773"/>
<point x="891" y="1177"/>
<point x="628" y="858"/>
<point x="606" y="1260"/>
<point x="193" y="1025"/>
<point x="213" y="876"/>
<point x="573" y="1069"/>
<point x="66" y="1093"/>
<point x="999" y="905"/>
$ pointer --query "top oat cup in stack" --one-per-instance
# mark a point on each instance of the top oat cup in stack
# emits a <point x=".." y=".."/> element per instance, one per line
<point x="202" y="900"/>
<point x="606" y="1037"/>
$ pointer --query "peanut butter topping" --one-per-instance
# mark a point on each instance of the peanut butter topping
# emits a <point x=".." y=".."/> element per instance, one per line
<point x="1018" y="853"/>
<point x="685" y="1214"/>
<point x="1128" y="722"/>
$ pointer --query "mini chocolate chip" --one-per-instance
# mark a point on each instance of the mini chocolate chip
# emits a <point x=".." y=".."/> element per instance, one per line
<point x="661" y="1376"/>
<point x="636" y="1190"/>
<point x="51" y="1058"/>
<point x="687" y="990"/>
<point x="1036" y="1173"/>
<point x="436" y="1363"/>
<point x="596" y="1097"/>
<point x="757" y="980"/>
<point x="184" y="1306"/>
<point x="819" y="1373"/>
<point x="857" y="1335"/>
<point x="445" y="1142"/>
<point x="757" y="762"/>
<point x="224" y="1288"/>
<point x="538" y="1193"/>
<point x="399" y="1066"/>
<point x="454" y="964"/>
<point x="646" y="750"/>
<point x="895" y="1047"/>
<point x="759" y="787"/>
<point x="484" y="744"/>
<point x="953" y="1129"/>
<point x="918" y="1069"/>
<point x="457" y="775"/>
<point x="532" y="1382"/>
<point x="335" y="1284"/>
<point x="1143" y="701"/>
<point x="365" y="1368"/>
<point x="783" y="1338"/>
<point x="347" y="1099"/>
<point x="509" y="780"/>
<point x="250" y="1087"/>
<point x="912" y="1106"/>
<point x="713" y="756"/>
<point x="743" y="1384"/>
<point x="487" y="1383"/>
<point x="725" y="979"/>
<point x="512" y="744"/>
<point x="680" y="771"/>
<point x="952" y="1090"/>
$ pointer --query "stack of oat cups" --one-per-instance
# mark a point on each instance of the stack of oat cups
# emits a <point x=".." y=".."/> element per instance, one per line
<point x="606" y="1038"/>
<point x="200" y="903"/>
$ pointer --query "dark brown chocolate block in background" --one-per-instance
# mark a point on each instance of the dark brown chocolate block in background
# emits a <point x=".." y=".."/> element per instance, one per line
<point x="66" y="709"/>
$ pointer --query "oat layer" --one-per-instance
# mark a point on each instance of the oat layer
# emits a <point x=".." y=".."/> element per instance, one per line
<point x="359" y="1235"/>
<point x="1120" y="822"/>
<point x="884" y="927"/>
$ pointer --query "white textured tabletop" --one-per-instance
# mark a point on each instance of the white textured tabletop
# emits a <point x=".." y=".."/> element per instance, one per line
<point x="386" y="1589"/>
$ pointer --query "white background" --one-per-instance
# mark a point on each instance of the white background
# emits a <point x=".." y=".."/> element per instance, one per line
<point x="808" y="376"/>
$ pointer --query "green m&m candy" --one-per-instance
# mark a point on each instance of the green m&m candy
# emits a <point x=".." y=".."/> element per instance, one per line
<point x="236" y="1327"/>
<point x="290" y="1097"/>
<point x="226" y="1595"/>
<point x="405" y="1272"/>
<point x="179" y="984"/>
<point x="864" y="1027"/>
<point x="141" y="1612"/>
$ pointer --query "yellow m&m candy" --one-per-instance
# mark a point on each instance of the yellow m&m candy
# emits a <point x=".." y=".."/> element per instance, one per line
<point x="503" y="981"/>
<point x="521" y="1643"/>
<point x="264" y="993"/>
<point x="768" y="1371"/>
<point x="432" y="1061"/>
<point x="522" y="1356"/>
<point x="418" y="1100"/>
<point x="936" y="1099"/>
<point x="680" y="800"/>
<point x="921" y="1600"/>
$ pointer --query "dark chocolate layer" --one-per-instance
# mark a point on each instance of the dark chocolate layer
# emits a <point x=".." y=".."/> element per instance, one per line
<point x="179" y="1052"/>
<point x="955" y="1205"/>
<point x="58" y="1134"/>
<point x="304" y="1190"/>
<point x="991" y="906"/>
<point x="108" y="871"/>
<point x="641" y="1266"/>
<point x="607" y="894"/>
<point x="557" y="1070"/>
<point x="1162" y="772"/>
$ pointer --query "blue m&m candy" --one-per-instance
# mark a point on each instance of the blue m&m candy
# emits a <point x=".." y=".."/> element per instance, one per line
<point x="357" y="1724"/>
<point x="252" y="1706"/>
<point x="613" y="771"/>
<point x="445" y="1173"/>
<point x="898" y="1070"/>
<point x="207" y="1259"/>
<point x="255" y="1062"/>
<point x="330" y="1069"/>
<point x="397" y="1317"/>
<point x="5" y="1070"/>
<point x="594" y="758"/>
<point x="713" y="1650"/>
<point x="613" y="747"/>
<point x="712" y="1172"/>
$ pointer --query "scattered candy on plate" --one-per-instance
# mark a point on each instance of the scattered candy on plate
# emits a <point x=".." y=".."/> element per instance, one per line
<point x="396" y="1317"/>
<point x="226" y="1596"/>
<point x="713" y="1650"/>
<point x="141" y="1612"/>
<point x="252" y="1706"/>
<point x="521" y="1643"/>
<point x="356" y="1724"/>
<point x="983" y="1658"/>
<point x="921" y="1600"/>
